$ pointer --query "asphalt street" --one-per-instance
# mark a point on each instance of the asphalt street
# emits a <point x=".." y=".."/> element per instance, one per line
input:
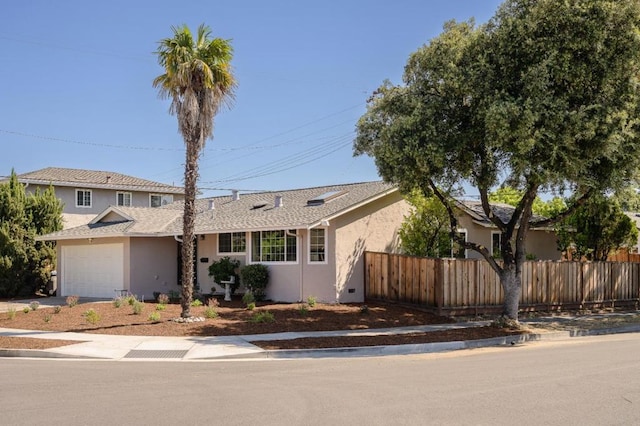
<point x="586" y="381"/>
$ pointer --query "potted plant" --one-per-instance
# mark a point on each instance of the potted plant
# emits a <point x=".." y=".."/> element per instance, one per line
<point x="255" y="277"/>
<point x="223" y="269"/>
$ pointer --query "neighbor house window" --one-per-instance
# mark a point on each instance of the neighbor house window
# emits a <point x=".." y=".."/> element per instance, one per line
<point x="317" y="245"/>
<point x="158" y="200"/>
<point x="232" y="242"/>
<point x="274" y="246"/>
<point x="83" y="198"/>
<point x="457" y="250"/>
<point x="123" y="199"/>
<point x="496" y="239"/>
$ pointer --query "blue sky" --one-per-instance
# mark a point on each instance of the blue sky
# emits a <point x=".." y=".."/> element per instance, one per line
<point x="75" y="85"/>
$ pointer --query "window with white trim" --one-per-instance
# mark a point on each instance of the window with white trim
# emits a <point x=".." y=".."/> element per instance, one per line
<point x="317" y="245"/>
<point x="123" y="199"/>
<point x="83" y="198"/>
<point x="232" y="242"/>
<point x="274" y="246"/>
<point x="496" y="240"/>
<point x="158" y="200"/>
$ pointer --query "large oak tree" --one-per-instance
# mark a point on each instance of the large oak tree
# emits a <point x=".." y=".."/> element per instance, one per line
<point x="544" y="97"/>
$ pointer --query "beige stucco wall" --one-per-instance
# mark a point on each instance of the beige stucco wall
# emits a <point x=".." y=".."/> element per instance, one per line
<point x="207" y="254"/>
<point x="153" y="266"/>
<point x="371" y="228"/>
<point x="541" y="244"/>
<point x="100" y="198"/>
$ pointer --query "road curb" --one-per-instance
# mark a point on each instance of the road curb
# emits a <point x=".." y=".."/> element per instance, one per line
<point x="39" y="353"/>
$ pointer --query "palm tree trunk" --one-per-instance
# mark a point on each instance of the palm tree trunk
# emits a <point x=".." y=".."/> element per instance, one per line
<point x="188" y="233"/>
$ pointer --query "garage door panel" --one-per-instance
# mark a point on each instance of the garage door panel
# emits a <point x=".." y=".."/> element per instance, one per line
<point x="92" y="270"/>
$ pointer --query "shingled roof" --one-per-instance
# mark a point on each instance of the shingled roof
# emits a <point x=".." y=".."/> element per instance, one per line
<point x="502" y="211"/>
<point x="58" y="176"/>
<point x="289" y="209"/>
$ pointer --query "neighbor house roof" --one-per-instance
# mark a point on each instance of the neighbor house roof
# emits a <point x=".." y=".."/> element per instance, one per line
<point x="58" y="176"/>
<point x="289" y="209"/>
<point x="502" y="211"/>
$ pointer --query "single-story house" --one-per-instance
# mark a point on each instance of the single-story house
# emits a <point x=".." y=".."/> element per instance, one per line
<point x="312" y="240"/>
<point x="85" y="193"/>
<point x="473" y="223"/>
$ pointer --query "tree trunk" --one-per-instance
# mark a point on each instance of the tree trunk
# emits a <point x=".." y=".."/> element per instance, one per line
<point x="512" y="285"/>
<point x="188" y="225"/>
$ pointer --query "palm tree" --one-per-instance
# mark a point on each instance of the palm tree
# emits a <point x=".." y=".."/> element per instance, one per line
<point x="199" y="81"/>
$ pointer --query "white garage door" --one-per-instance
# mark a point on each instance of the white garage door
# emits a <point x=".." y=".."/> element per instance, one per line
<point x="92" y="270"/>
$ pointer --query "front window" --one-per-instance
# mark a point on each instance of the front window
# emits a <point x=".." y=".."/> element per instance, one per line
<point x="83" y="198"/>
<point x="232" y="242"/>
<point x="274" y="246"/>
<point x="317" y="238"/>
<point x="496" y="239"/>
<point x="158" y="200"/>
<point x="123" y="199"/>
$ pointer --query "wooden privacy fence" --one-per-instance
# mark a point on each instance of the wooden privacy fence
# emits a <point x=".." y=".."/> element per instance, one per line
<point x="457" y="286"/>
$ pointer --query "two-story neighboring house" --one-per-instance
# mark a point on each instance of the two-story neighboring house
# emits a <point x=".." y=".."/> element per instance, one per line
<point x="85" y="193"/>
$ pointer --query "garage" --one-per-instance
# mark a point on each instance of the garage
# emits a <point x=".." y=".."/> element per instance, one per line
<point x="91" y="270"/>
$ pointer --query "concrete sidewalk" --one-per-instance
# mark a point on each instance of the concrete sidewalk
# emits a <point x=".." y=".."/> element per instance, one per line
<point x="148" y="348"/>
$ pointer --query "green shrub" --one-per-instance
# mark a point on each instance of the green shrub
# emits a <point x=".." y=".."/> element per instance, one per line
<point x="131" y="300"/>
<point x="311" y="301"/>
<point x="255" y="277"/>
<point x="303" y="309"/>
<point x="154" y="317"/>
<point x="34" y="305"/>
<point x="92" y="316"/>
<point x="251" y="306"/>
<point x="47" y="318"/>
<point x="57" y="309"/>
<point x="11" y="313"/>
<point x="248" y="298"/>
<point x="117" y="302"/>
<point x="262" y="317"/>
<point x="161" y="307"/>
<point x="26" y="309"/>
<point x="223" y="269"/>
<point x="136" y="307"/>
<point x="196" y="303"/>
<point x="72" y="301"/>
<point x="210" y="312"/>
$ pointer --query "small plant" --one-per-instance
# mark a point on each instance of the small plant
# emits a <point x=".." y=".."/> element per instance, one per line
<point x="196" y="303"/>
<point x="131" y="300"/>
<point x="34" y="305"/>
<point x="303" y="309"/>
<point x="161" y="307"/>
<point x="57" y="309"/>
<point x="262" y="317"/>
<point x="248" y="298"/>
<point x="311" y="301"/>
<point x="117" y="302"/>
<point x="47" y="318"/>
<point x="137" y="307"/>
<point x="213" y="302"/>
<point x="72" y="300"/>
<point x="26" y="309"/>
<point x="364" y="309"/>
<point x="163" y="299"/>
<point x="11" y="313"/>
<point x="255" y="277"/>
<point x="251" y="306"/>
<point x="154" y="317"/>
<point x="210" y="312"/>
<point x="92" y="316"/>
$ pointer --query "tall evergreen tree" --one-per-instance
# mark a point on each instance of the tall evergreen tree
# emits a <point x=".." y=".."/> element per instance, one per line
<point x="26" y="264"/>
